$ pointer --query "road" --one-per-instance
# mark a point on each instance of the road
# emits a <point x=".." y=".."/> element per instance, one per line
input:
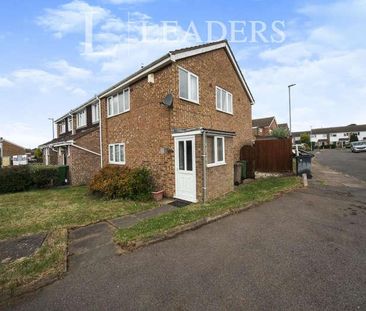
<point x="303" y="251"/>
<point x="344" y="161"/>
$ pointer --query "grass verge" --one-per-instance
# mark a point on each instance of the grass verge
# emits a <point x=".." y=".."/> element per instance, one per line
<point x="44" y="210"/>
<point x="47" y="264"/>
<point x="255" y="192"/>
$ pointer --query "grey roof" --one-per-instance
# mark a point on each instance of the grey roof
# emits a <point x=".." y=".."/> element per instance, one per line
<point x="69" y="136"/>
<point x="338" y="129"/>
<point x="283" y="125"/>
<point x="262" y="122"/>
<point x="151" y="65"/>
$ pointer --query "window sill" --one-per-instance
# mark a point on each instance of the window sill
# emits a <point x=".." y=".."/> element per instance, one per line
<point x="216" y="164"/>
<point x="95" y="122"/>
<point x="117" y="163"/>
<point x="189" y="100"/>
<point x="81" y="127"/>
<point x="229" y="113"/>
<point x="115" y="115"/>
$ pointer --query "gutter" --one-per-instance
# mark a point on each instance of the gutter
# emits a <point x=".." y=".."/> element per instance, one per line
<point x="71" y="143"/>
<point x="204" y="164"/>
<point x="100" y="131"/>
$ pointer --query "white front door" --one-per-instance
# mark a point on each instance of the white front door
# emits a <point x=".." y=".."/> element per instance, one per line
<point x="185" y="168"/>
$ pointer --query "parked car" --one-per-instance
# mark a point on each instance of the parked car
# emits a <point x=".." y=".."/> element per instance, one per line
<point x="358" y="146"/>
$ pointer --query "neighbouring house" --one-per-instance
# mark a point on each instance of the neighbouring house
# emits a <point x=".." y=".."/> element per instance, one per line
<point x="338" y="136"/>
<point x="9" y="149"/>
<point x="284" y="126"/>
<point x="264" y="126"/>
<point x="185" y="116"/>
<point x="77" y="144"/>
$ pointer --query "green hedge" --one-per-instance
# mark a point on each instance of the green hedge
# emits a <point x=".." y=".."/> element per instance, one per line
<point x="23" y="178"/>
<point x="122" y="182"/>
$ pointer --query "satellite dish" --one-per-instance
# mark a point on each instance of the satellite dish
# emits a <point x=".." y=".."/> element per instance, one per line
<point x="168" y="101"/>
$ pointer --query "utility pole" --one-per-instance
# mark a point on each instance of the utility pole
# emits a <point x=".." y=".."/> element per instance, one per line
<point x="53" y="127"/>
<point x="289" y="105"/>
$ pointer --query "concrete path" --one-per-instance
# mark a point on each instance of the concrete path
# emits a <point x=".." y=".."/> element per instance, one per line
<point x="304" y="251"/>
<point x="93" y="244"/>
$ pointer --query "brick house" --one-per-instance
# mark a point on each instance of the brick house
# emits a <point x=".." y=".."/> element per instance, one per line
<point x="185" y="116"/>
<point x="9" y="149"/>
<point x="264" y="126"/>
<point x="77" y="144"/>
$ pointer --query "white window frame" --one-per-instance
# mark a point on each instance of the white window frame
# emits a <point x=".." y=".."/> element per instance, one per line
<point x="62" y="127"/>
<point x="95" y="113"/>
<point x="216" y="162"/>
<point x="113" y="161"/>
<point x="227" y="95"/>
<point x="69" y="122"/>
<point x="78" y="125"/>
<point x="189" y="86"/>
<point x="110" y="111"/>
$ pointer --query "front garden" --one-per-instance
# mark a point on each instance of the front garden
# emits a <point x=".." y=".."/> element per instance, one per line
<point x="114" y="192"/>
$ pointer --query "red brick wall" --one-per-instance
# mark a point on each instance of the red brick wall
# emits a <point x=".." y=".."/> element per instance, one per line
<point x="83" y="165"/>
<point x="147" y="127"/>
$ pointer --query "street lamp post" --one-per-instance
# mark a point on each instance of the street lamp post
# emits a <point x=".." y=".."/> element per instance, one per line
<point x="53" y="127"/>
<point x="289" y="104"/>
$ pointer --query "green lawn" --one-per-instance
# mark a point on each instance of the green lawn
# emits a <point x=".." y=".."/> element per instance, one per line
<point x="255" y="192"/>
<point x="43" y="210"/>
<point x="47" y="262"/>
<point x="52" y="211"/>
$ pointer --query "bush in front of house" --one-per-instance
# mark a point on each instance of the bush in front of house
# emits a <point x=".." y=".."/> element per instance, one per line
<point x="23" y="178"/>
<point x="114" y="182"/>
<point x="44" y="176"/>
<point x="14" y="179"/>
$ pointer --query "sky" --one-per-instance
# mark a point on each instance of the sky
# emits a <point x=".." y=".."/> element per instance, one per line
<point x="55" y="55"/>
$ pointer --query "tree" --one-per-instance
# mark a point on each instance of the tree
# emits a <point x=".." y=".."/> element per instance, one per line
<point x="353" y="137"/>
<point x="38" y="154"/>
<point x="280" y="132"/>
<point x="305" y="139"/>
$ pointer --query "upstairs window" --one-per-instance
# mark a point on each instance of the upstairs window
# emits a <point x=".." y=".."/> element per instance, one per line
<point x="215" y="151"/>
<point x="95" y="113"/>
<point x="117" y="154"/>
<point x="62" y="127"/>
<point x="119" y="103"/>
<point x="224" y="100"/>
<point x="188" y="86"/>
<point x="69" y="124"/>
<point x="81" y="118"/>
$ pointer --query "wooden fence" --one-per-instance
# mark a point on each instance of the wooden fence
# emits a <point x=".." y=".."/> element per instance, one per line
<point x="272" y="155"/>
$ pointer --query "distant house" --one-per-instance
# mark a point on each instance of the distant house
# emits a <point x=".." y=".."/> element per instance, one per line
<point x="77" y="144"/>
<point x="185" y="116"/>
<point x="338" y="136"/>
<point x="9" y="149"/>
<point x="264" y="126"/>
<point x="284" y="126"/>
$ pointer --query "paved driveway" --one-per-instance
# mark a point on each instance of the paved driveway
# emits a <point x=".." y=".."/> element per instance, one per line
<point x="303" y="251"/>
<point x="344" y="161"/>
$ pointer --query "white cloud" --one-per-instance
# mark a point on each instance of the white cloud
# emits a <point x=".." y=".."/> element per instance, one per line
<point x="68" y="71"/>
<point x="5" y="82"/>
<point x="328" y="66"/>
<point x="70" y="17"/>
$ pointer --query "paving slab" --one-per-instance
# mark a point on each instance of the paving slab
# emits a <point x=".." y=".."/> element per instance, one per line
<point x="130" y="220"/>
<point x="21" y="247"/>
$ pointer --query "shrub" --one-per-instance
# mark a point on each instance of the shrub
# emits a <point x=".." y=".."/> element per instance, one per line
<point x="141" y="184"/>
<point x="44" y="176"/>
<point x="280" y="132"/>
<point x="122" y="182"/>
<point x="14" y="179"/>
